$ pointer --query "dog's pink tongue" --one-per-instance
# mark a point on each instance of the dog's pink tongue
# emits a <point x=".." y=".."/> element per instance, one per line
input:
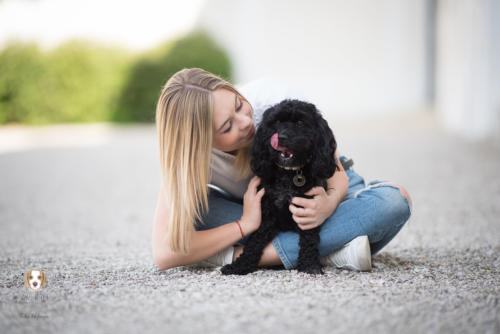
<point x="275" y="143"/>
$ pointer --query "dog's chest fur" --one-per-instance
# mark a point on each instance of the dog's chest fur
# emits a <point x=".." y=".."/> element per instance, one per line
<point x="278" y="196"/>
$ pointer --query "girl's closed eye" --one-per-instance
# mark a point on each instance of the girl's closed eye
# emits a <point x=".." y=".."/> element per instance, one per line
<point x="231" y="123"/>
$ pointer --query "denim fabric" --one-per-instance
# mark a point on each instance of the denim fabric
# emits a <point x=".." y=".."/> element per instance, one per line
<point x="376" y="210"/>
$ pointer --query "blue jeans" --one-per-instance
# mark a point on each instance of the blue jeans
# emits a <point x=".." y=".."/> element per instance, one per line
<point x="376" y="210"/>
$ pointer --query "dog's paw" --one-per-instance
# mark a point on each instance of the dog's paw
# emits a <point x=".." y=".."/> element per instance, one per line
<point x="313" y="270"/>
<point x="232" y="269"/>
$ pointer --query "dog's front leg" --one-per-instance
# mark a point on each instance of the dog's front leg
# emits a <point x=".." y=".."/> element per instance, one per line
<point x="308" y="260"/>
<point x="248" y="261"/>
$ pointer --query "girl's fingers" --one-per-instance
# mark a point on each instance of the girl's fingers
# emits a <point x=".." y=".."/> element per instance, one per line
<point x="315" y="191"/>
<point x="301" y="212"/>
<point x="304" y="228"/>
<point x="300" y="201"/>
<point x="303" y="220"/>
<point x="259" y="194"/>
<point x="252" y="186"/>
<point x="254" y="182"/>
<point x="306" y="225"/>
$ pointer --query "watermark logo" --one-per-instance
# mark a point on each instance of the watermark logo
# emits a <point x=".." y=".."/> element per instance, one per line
<point x="35" y="279"/>
<point x="33" y="296"/>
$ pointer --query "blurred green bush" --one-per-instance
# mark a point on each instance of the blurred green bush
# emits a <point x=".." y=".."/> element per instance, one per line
<point x="82" y="81"/>
<point x="77" y="82"/>
<point x="21" y="68"/>
<point x="152" y="70"/>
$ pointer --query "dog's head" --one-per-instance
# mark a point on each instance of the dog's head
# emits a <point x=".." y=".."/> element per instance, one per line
<point x="35" y="279"/>
<point x="291" y="134"/>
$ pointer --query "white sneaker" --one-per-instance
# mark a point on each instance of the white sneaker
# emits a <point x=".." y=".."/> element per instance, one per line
<point x="219" y="259"/>
<point x="355" y="255"/>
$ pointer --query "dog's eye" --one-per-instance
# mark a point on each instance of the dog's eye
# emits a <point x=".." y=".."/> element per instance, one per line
<point x="300" y="123"/>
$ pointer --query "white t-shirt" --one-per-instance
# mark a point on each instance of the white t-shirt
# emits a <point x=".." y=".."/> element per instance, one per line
<point x="261" y="94"/>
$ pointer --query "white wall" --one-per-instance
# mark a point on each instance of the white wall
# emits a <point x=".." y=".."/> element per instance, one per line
<point x="351" y="57"/>
<point x="137" y="24"/>
<point x="468" y="67"/>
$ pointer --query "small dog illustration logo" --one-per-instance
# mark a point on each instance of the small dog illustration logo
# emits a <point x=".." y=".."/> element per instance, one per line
<point x="35" y="279"/>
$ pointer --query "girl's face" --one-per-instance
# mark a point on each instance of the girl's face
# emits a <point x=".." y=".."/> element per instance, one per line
<point x="233" y="122"/>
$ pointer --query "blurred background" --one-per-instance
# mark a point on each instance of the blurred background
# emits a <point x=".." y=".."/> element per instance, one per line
<point x="67" y="61"/>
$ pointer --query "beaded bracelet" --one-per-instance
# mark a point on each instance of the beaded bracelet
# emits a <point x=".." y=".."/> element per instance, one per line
<point x="238" y="222"/>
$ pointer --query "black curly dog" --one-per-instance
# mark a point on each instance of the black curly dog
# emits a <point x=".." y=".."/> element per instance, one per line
<point x="293" y="151"/>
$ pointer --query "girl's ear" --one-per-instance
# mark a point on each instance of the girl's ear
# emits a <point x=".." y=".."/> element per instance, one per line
<point x="323" y="164"/>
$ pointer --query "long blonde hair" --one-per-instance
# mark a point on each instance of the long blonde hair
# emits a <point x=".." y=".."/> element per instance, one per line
<point x="184" y="121"/>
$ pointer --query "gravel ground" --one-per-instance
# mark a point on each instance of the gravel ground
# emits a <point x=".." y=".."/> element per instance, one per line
<point x="78" y="202"/>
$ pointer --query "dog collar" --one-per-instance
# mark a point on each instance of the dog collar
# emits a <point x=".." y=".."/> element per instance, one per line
<point x="289" y="168"/>
<point x="299" y="179"/>
<point x="295" y="167"/>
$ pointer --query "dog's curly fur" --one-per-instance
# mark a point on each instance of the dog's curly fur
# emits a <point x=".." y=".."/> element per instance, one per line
<point x="305" y="133"/>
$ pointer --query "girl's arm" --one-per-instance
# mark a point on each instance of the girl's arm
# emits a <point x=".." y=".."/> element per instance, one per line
<point x="204" y="244"/>
<point x="337" y="184"/>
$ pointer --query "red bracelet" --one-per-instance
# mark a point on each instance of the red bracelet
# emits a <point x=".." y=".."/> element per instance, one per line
<point x="238" y="222"/>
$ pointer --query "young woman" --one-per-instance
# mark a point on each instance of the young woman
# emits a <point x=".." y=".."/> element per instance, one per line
<point x="208" y="201"/>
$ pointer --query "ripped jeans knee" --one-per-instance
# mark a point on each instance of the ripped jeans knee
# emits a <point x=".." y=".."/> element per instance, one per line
<point x="381" y="183"/>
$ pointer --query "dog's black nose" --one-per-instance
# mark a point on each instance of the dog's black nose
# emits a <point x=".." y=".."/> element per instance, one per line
<point x="282" y="136"/>
<point x="35" y="283"/>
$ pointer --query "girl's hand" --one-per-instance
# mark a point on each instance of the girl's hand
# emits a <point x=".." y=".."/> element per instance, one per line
<point x="252" y="213"/>
<point x="314" y="211"/>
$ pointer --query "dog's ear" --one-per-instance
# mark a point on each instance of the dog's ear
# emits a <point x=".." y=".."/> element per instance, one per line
<point x="260" y="159"/>
<point x="323" y="163"/>
<point x="44" y="279"/>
